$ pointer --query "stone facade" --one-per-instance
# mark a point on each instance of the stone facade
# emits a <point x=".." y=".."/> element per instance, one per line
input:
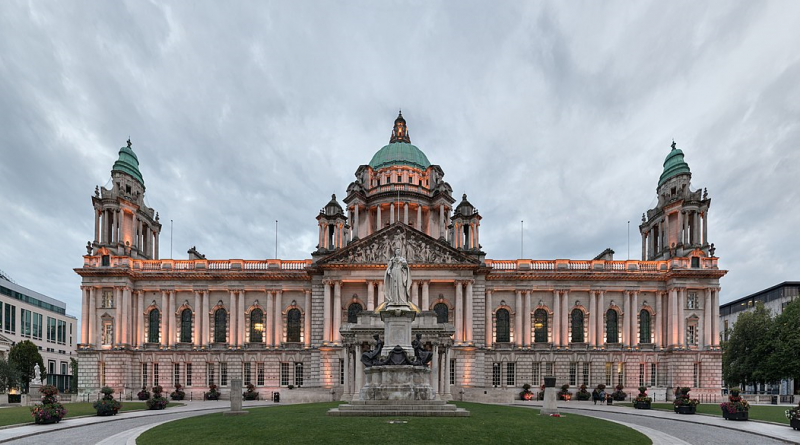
<point x="277" y="323"/>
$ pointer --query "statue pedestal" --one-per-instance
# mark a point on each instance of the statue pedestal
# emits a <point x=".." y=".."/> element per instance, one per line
<point x="403" y="382"/>
<point x="397" y="321"/>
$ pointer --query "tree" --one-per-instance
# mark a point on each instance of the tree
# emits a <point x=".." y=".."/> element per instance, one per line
<point x="9" y="376"/>
<point x="24" y="356"/>
<point x="784" y="363"/>
<point x="73" y="379"/>
<point x="746" y="353"/>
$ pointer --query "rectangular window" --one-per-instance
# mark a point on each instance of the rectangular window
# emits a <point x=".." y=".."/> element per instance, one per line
<point x="108" y="299"/>
<point x="536" y="378"/>
<point x="548" y="369"/>
<point x="641" y="374"/>
<point x="653" y="374"/>
<point x="341" y="371"/>
<point x="62" y="332"/>
<point x="37" y="326"/>
<point x="298" y="374"/>
<point x="662" y="374"/>
<point x="102" y="374"/>
<point x="452" y="371"/>
<point x="176" y="373"/>
<point x="108" y="332"/>
<point x="511" y="374"/>
<point x="284" y="374"/>
<point x="621" y="374"/>
<point x="247" y="374"/>
<point x="51" y="367"/>
<point x="63" y="368"/>
<point x="609" y="378"/>
<point x="696" y="375"/>
<point x="10" y="319"/>
<point x="25" y="315"/>
<point x="495" y="375"/>
<point x="210" y="378"/>
<point x="691" y="334"/>
<point x="51" y="329"/>
<point x="188" y="374"/>
<point x="260" y="374"/>
<point x="586" y="373"/>
<point x="223" y="374"/>
<point x="573" y="374"/>
<point x="144" y="375"/>
<point x="691" y="301"/>
<point x="155" y="374"/>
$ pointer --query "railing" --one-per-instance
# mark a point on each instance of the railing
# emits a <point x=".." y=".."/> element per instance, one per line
<point x="579" y="265"/>
<point x="588" y="265"/>
<point x="201" y="264"/>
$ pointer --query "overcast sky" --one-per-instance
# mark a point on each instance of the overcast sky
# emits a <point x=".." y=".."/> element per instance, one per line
<point x="242" y="113"/>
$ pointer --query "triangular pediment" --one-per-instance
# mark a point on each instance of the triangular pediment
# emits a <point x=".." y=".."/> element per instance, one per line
<point x="415" y="246"/>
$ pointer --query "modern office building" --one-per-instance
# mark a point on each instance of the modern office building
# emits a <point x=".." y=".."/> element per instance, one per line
<point x="277" y="323"/>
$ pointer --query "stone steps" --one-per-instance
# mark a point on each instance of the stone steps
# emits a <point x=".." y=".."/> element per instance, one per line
<point x="398" y="408"/>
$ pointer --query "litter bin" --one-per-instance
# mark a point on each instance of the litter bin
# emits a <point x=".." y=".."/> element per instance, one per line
<point x="774" y="400"/>
<point x="276" y="397"/>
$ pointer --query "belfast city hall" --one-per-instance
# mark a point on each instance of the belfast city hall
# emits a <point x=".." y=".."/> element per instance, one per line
<point x="300" y="326"/>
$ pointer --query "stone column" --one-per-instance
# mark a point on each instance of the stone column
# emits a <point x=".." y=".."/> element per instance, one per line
<point x="269" y="330"/>
<point x="715" y="317"/>
<point x="370" y="296"/>
<point x="171" y="319"/>
<point x="126" y="316"/>
<point x="681" y="317"/>
<point x="468" y="316"/>
<point x="347" y="390"/>
<point x="242" y="309"/>
<point x="592" y="318"/>
<point x="381" y="296"/>
<point x="447" y="373"/>
<point x="155" y="246"/>
<point x="526" y="319"/>
<point x="419" y="218"/>
<point x="518" y="310"/>
<point x="644" y="246"/>
<point x="405" y="213"/>
<point x="556" y="319"/>
<point x="707" y="339"/>
<point x="337" y="311"/>
<point x="378" y="218"/>
<point x="96" y="226"/>
<point x="705" y="228"/>
<point x="415" y="292"/>
<point x="84" y="315"/>
<point x="674" y="329"/>
<point x="138" y="307"/>
<point x="204" y="333"/>
<point x="164" y="310"/>
<point x="435" y="371"/>
<point x="459" y="335"/>
<point x="198" y="320"/>
<point x="626" y="323"/>
<point x="278" y="318"/>
<point x="114" y="231"/>
<point x="441" y="220"/>
<point x="391" y="213"/>
<point x="326" y="303"/>
<point x="356" y="227"/>
<point x="93" y="331"/>
<point x="359" y="372"/>
<point x="488" y="318"/>
<point x="117" y="292"/>
<point x="635" y="319"/>
<point x="307" y="320"/>
<point x="659" y="296"/>
<point x="601" y="310"/>
<point x="565" y="318"/>
<point x="425" y="296"/>
<point x="233" y="308"/>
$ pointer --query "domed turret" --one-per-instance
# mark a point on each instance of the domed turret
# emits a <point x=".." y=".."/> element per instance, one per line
<point x="128" y="163"/>
<point x="674" y="165"/>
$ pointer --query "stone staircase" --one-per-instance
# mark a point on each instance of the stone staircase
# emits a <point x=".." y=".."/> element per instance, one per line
<point x="398" y="408"/>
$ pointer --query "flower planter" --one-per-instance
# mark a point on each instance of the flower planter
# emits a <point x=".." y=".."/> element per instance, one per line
<point x="104" y="413"/>
<point x="740" y="415"/>
<point x="685" y="409"/>
<point x="795" y="423"/>
<point x="46" y="421"/>
<point x="641" y="405"/>
<point x="610" y="402"/>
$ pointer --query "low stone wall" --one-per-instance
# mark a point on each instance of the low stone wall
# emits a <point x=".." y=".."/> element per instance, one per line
<point x="486" y="395"/>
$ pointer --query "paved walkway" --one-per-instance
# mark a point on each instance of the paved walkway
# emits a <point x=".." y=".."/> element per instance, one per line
<point x="662" y="427"/>
<point x="672" y="421"/>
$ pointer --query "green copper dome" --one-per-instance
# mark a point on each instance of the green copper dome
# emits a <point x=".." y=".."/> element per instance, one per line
<point x="128" y="163"/>
<point x="674" y="165"/>
<point x="399" y="153"/>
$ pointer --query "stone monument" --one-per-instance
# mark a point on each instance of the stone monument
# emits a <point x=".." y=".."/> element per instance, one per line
<point x="236" y="399"/>
<point x="549" y="406"/>
<point x="396" y="370"/>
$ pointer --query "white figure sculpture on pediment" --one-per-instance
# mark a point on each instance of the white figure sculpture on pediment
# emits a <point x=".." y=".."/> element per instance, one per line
<point x="397" y="280"/>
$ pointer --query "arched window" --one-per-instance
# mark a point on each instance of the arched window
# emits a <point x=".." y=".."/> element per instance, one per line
<point x="293" y="326"/>
<point x="186" y="326"/>
<point x="154" y="321"/>
<point x="353" y="311"/>
<point x="256" y="326"/>
<point x="442" y="312"/>
<point x="577" y="326"/>
<point x="540" y="326"/>
<point x="503" y="327"/>
<point x="220" y="325"/>
<point x="612" y="333"/>
<point x="644" y="326"/>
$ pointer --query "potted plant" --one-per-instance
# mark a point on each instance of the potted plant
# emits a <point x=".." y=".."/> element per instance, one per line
<point x="793" y="414"/>
<point x="736" y="408"/>
<point x="212" y="393"/>
<point x="49" y="411"/>
<point x="107" y="406"/>
<point x="583" y="394"/>
<point x="564" y="394"/>
<point x="642" y="401"/>
<point x="526" y="393"/>
<point x="158" y="401"/>
<point x="144" y="394"/>
<point x="683" y="404"/>
<point x="540" y="396"/>
<point x="619" y="395"/>
<point x="178" y="394"/>
<point x="251" y="393"/>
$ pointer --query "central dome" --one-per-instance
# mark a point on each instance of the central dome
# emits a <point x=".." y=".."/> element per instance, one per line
<point x="674" y="165"/>
<point x="400" y="151"/>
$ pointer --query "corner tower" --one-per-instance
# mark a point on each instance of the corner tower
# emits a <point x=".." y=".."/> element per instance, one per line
<point x="123" y="224"/>
<point x="678" y="225"/>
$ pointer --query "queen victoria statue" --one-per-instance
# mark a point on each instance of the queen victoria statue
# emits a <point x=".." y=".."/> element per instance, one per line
<point x="397" y="280"/>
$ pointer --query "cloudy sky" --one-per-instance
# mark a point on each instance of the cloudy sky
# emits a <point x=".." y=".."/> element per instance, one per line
<point x="243" y="113"/>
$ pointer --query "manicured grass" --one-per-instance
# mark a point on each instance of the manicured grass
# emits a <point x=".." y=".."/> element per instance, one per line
<point x="769" y="413"/>
<point x="22" y="414"/>
<point x="308" y="424"/>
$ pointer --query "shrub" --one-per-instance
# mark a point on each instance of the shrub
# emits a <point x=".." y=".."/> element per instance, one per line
<point x="251" y="393"/>
<point x="793" y="413"/>
<point x="144" y="394"/>
<point x="735" y="403"/>
<point x="158" y="401"/>
<point x="618" y="394"/>
<point x="49" y="411"/>
<point x="212" y="393"/>
<point x="178" y="394"/>
<point x="642" y="397"/>
<point x="107" y="406"/>
<point x="583" y="394"/>
<point x="682" y="398"/>
<point x="526" y="393"/>
<point x="564" y="394"/>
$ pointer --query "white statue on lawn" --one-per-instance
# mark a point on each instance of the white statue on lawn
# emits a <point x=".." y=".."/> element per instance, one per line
<point x="397" y="280"/>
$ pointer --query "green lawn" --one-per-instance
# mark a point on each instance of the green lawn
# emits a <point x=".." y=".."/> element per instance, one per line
<point x="308" y="424"/>
<point x="769" y="413"/>
<point x="22" y="414"/>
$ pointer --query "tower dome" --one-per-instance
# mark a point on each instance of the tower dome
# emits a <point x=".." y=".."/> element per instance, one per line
<point x="674" y="165"/>
<point x="400" y="151"/>
<point x="128" y="163"/>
